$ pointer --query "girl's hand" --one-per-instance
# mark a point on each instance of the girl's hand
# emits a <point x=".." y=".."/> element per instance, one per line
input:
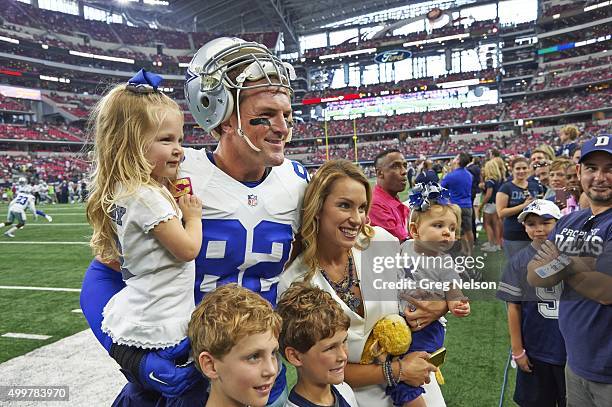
<point x="529" y="200"/>
<point x="191" y="206"/>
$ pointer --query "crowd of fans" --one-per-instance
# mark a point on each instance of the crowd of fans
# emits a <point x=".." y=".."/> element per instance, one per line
<point x="12" y="104"/>
<point x="24" y="14"/>
<point x="404" y="86"/>
<point x="387" y="40"/>
<point x="51" y="167"/>
<point x="40" y="132"/>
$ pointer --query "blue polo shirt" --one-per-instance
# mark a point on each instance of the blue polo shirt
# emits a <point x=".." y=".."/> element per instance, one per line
<point x="459" y="184"/>
<point x="585" y="324"/>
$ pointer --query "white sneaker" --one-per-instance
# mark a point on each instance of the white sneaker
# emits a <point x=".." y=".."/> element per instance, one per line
<point x="8" y="234"/>
<point x="49" y="218"/>
<point x="488" y="247"/>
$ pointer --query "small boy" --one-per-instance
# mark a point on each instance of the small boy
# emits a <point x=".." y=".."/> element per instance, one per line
<point x="314" y="340"/>
<point x="538" y="348"/>
<point x="234" y="341"/>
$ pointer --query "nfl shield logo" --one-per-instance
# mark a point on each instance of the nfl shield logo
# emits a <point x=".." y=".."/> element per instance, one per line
<point x="252" y="200"/>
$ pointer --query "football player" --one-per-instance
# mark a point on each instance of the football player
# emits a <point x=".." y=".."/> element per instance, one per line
<point x="16" y="212"/>
<point x="251" y="196"/>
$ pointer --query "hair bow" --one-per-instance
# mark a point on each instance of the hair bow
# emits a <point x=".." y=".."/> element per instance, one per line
<point x="423" y="196"/>
<point x="144" y="82"/>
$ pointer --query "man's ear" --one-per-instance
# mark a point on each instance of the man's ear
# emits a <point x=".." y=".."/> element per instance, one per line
<point x="226" y="127"/>
<point x="578" y="172"/>
<point x="207" y="365"/>
<point x="293" y="356"/>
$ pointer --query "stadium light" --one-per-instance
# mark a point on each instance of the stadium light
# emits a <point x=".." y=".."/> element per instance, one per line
<point x="348" y="54"/>
<point x="596" y="6"/>
<point x="7" y="39"/>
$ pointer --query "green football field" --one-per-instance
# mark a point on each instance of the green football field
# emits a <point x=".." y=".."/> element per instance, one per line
<point x="55" y="255"/>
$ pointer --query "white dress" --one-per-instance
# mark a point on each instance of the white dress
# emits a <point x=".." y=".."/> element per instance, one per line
<point x="154" y="308"/>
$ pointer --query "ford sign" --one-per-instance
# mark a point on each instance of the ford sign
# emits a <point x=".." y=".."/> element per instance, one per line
<point x="393" y="55"/>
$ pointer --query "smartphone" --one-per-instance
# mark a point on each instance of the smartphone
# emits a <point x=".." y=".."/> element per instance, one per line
<point x="438" y="357"/>
<point x="562" y="195"/>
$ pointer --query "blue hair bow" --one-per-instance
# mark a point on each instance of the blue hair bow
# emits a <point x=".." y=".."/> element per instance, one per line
<point x="423" y="196"/>
<point x="144" y="82"/>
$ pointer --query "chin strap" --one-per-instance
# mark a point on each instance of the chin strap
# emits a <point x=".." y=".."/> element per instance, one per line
<point x="240" y="132"/>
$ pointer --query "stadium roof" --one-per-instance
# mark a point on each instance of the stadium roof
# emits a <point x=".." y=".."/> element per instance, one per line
<point x="293" y="17"/>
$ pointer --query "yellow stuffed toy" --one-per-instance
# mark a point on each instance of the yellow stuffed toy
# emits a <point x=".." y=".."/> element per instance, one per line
<point x="390" y="336"/>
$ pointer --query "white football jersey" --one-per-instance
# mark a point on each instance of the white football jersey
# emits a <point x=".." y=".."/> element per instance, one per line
<point x="247" y="230"/>
<point x="21" y="202"/>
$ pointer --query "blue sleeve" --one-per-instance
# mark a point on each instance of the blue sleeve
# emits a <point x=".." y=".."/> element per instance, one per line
<point x="99" y="285"/>
<point x="445" y="180"/>
<point x="505" y="188"/>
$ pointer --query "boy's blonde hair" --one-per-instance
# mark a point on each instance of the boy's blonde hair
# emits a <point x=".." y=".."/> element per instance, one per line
<point x="309" y="315"/>
<point x="437" y="210"/>
<point x="123" y="124"/>
<point x="317" y="191"/>
<point x="226" y="315"/>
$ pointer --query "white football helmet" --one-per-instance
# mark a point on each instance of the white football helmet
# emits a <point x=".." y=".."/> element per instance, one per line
<point x="208" y="85"/>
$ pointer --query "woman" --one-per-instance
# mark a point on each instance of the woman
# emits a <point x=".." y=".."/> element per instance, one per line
<point x="510" y="200"/>
<point x="336" y="240"/>
<point x="493" y="179"/>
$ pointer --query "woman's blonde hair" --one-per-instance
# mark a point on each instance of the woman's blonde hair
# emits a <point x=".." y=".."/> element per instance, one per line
<point x="492" y="171"/>
<point x="501" y="165"/>
<point x="317" y="192"/>
<point x="123" y="125"/>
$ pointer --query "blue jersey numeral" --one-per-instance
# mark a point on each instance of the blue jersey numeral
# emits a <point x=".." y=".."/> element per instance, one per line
<point x="301" y="171"/>
<point x="22" y="199"/>
<point x="224" y="246"/>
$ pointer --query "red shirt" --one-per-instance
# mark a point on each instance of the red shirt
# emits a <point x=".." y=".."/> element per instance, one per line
<point x="389" y="213"/>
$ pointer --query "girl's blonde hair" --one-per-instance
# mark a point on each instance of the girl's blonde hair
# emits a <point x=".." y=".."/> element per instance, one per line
<point x="123" y="125"/>
<point x="492" y="171"/>
<point x="317" y="192"/>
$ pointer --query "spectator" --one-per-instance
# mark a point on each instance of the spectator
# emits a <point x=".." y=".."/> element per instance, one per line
<point x="459" y="184"/>
<point x="567" y="137"/>
<point x="475" y="170"/>
<point x="510" y="200"/>
<point x="387" y="211"/>
<point x="580" y="247"/>
<point x="427" y="174"/>
<point x="493" y="179"/>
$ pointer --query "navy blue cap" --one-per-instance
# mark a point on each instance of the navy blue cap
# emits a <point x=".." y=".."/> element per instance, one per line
<point x="599" y="143"/>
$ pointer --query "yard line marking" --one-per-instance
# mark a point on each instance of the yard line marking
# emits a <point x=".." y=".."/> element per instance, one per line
<point x="25" y="336"/>
<point x="77" y="311"/>
<point x="28" y="288"/>
<point x="27" y="242"/>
